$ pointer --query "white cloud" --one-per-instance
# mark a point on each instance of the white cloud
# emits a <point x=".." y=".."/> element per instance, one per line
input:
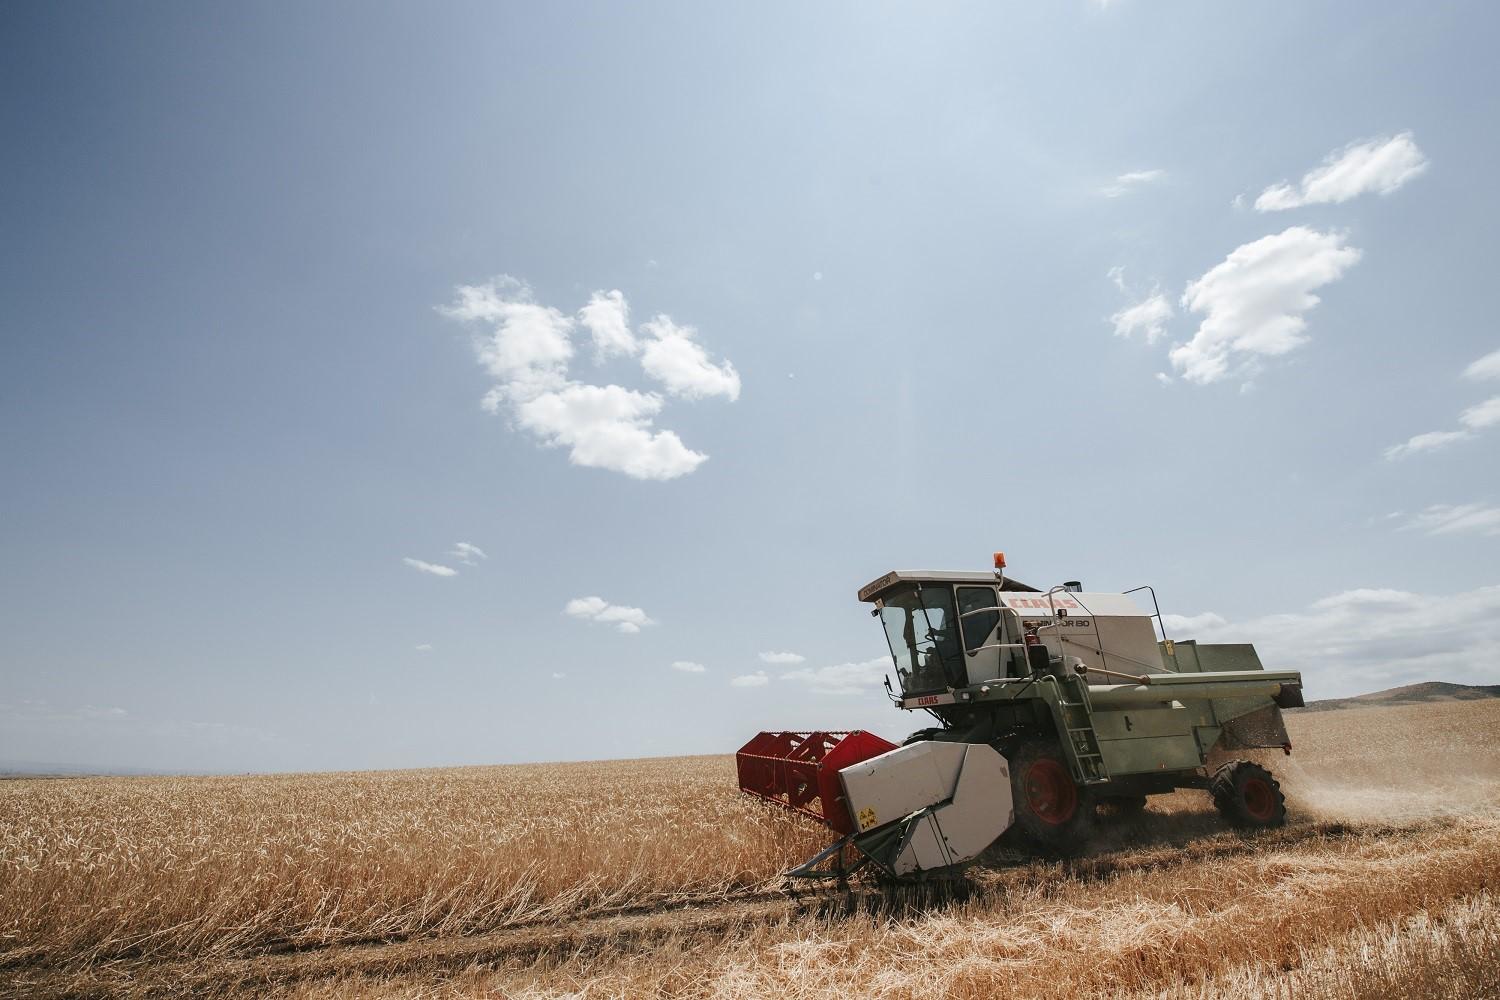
<point x="1186" y="624"/>
<point x="435" y="569"/>
<point x="1481" y="415"/>
<point x="755" y="680"/>
<point x="608" y="427"/>
<point x="1148" y="317"/>
<point x="607" y="318"/>
<point x="773" y="657"/>
<point x="1379" y="165"/>
<point x="676" y="360"/>
<point x="1430" y="441"/>
<point x="1456" y="519"/>
<point x="32" y="710"/>
<point x="1252" y="302"/>
<point x="467" y="554"/>
<point x="688" y="666"/>
<point x="1366" y="639"/>
<point x="597" y="609"/>
<point x="1486" y="367"/>
<point x="101" y="712"/>
<point x="530" y="345"/>
<point x="557" y="676"/>
<point x="1129" y="181"/>
<point x="425" y="647"/>
<point x="1117" y="276"/>
<point x="528" y="351"/>
<point x="843" y="678"/>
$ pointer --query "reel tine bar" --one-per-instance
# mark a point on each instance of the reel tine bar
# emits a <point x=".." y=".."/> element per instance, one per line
<point x="800" y="770"/>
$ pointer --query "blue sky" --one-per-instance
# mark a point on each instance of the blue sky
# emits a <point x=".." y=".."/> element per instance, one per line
<point x="295" y="300"/>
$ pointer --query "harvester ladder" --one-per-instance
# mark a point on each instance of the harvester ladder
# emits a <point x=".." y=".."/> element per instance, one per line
<point x="1084" y="743"/>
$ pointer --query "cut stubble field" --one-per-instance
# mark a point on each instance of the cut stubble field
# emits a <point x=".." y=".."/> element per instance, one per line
<point x="657" y="878"/>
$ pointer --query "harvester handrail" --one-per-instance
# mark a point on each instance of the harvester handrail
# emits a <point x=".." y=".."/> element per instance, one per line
<point x="996" y="645"/>
<point x="1084" y="668"/>
<point x="1160" y="621"/>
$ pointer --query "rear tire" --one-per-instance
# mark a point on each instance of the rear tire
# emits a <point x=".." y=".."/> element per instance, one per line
<point x="1053" y="814"/>
<point x="1247" y="795"/>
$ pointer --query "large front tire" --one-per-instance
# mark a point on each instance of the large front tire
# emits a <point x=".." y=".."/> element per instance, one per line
<point x="1053" y="813"/>
<point x="1247" y="795"/>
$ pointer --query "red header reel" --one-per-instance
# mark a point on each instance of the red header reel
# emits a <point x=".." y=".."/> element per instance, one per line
<point x="801" y="770"/>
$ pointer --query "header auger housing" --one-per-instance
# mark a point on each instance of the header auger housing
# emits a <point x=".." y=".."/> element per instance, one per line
<point x="1048" y="705"/>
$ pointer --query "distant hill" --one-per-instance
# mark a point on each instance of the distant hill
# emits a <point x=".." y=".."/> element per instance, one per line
<point x="1411" y="694"/>
<point x="41" y="769"/>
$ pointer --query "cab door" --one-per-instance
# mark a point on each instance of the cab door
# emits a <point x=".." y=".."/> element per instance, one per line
<point x="981" y="628"/>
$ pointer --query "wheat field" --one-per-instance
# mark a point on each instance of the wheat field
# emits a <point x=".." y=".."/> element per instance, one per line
<point x="657" y="878"/>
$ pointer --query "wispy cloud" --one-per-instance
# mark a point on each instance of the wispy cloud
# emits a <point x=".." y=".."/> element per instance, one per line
<point x="597" y="609"/>
<point x="843" y="678"/>
<point x="1254" y="300"/>
<point x="1127" y="182"/>
<point x="1484" y="368"/>
<point x="1368" y="638"/>
<point x="434" y="569"/>
<point x="468" y="554"/>
<point x="688" y="666"/>
<point x="1429" y="441"/>
<point x="1380" y="165"/>
<point x="773" y="657"/>
<point x="529" y="349"/>
<point x="1147" y="317"/>
<point x="1457" y="519"/>
<point x="1187" y="626"/>
<point x="1479" y="417"/>
<point x="755" y="680"/>
<point x="423" y="647"/>
<point x="37" y="710"/>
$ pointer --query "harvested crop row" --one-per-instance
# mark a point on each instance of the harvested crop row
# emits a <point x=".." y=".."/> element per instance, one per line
<point x="1141" y="930"/>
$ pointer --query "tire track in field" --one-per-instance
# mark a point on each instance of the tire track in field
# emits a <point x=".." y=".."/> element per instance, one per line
<point x="636" y="927"/>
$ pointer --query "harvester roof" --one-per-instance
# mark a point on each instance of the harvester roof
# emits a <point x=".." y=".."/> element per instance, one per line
<point x="875" y="588"/>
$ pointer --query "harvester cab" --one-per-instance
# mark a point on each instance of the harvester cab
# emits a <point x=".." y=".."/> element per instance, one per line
<point x="1049" y="704"/>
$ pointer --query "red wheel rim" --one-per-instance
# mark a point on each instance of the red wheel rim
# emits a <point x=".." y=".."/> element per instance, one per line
<point x="1050" y="792"/>
<point x="1260" y="802"/>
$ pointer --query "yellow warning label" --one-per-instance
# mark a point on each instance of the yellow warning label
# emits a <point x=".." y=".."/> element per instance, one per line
<point x="866" y="818"/>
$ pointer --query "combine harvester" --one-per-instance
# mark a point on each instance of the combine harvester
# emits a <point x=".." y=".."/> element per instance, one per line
<point x="1049" y="705"/>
